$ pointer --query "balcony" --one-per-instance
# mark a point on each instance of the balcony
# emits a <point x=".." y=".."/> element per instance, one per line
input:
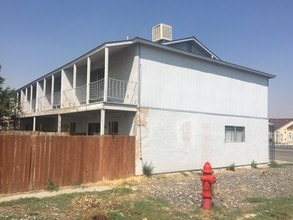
<point x="119" y="91"/>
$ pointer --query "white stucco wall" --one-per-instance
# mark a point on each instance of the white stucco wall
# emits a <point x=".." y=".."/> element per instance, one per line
<point x="189" y="102"/>
<point x="178" y="141"/>
<point x="67" y="79"/>
<point x="169" y="81"/>
<point x="122" y="65"/>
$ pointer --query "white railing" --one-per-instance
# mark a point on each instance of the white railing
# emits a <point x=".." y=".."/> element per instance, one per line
<point x="56" y="99"/>
<point x="74" y="97"/>
<point x="80" y="94"/>
<point x="47" y="102"/>
<point x="25" y="106"/>
<point x="119" y="91"/>
<point x="96" y="91"/>
<point x="33" y="105"/>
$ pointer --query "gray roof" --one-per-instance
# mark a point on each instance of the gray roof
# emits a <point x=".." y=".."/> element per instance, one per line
<point x="163" y="46"/>
<point x="280" y="122"/>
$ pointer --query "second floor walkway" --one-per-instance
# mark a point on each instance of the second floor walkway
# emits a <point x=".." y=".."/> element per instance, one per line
<point x="118" y="91"/>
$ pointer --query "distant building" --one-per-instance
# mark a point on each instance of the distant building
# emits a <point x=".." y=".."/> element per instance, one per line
<point x="282" y="130"/>
<point x="182" y="102"/>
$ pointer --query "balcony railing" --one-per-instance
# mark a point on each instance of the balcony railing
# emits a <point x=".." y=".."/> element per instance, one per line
<point x="96" y="91"/>
<point x="56" y="100"/>
<point x="119" y="91"/>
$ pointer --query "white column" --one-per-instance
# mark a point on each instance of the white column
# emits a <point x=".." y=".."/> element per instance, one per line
<point x="74" y="76"/>
<point x="22" y="99"/>
<point x="38" y="87"/>
<point x="61" y="87"/>
<point x="25" y="100"/>
<point x="106" y="74"/>
<point x="88" y="75"/>
<point x="102" y="122"/>
<point x="58" y="123"/>
<point x="18" y="99"/>
<point x="31" y="98"/>
<point x="52" y="90"/>
<point x="44" y="92"/>
<point x="34" y="123"/>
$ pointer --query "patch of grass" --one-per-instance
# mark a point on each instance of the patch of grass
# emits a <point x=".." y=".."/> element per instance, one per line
<point x="255" y="200"/>
<point x="147" y="169"/>
<point x="149" y="208"/>
<point x="231" y="167"/>
<point x="125" y="203"/>
<point x="263" y="208"/>
<point x="277" y="208"/>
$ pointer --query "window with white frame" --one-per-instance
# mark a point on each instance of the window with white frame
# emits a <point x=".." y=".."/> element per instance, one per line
<point x="234" y="134"/>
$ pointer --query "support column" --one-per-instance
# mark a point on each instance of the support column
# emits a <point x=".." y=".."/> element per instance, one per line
<point x="25" y="100"/>
<point x="59" y="123"/>
<point x="44" y="93"/>
<point x="88" y="77"/>
<point x="52" y="90"/>
<point x="31" y="98"/>
<point x="34" y="123"/>
<point x="21" y="100"/>
<point x="37" y="96"/>
<point x="18" y="97"/>
<point x="102" y="122"/>
<point x="61" y="87"/>
<point x="74" y="76"/>
<point x="106" y="77"/>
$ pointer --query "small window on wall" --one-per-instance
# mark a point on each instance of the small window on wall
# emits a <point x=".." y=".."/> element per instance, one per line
<point x="234" y="134"/>
<point x="113" y="128"/>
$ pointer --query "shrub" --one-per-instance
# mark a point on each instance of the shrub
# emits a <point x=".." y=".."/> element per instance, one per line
<point x="231" y="167"/>
<point x="253" y="164"/>
<point x="274" y="164"/>
<point x="51" y="186"/>
<point x="147" y="169"/>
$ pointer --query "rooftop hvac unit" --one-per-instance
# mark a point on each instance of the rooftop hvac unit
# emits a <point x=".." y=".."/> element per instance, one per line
<point x="162" y="32"/>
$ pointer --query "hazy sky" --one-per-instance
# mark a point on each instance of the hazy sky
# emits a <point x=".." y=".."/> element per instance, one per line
<point x="38" y="36"/>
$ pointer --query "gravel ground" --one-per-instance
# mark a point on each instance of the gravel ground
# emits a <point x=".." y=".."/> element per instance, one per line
<point x="230" y="191"/>
<point x="183" y="190"/>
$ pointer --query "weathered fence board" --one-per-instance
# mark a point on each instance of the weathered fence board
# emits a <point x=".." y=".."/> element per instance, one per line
<point x="29" y="161"/>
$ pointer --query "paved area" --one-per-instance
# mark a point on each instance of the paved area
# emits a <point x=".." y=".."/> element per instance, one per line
<point x="285" y="154"/>
<point x="43" y="194"/>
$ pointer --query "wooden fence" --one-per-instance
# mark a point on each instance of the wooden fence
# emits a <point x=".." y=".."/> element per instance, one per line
<point x="28" y="162"/>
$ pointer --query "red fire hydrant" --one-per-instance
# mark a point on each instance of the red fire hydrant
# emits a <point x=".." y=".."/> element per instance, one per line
<point x="207" y="180"/>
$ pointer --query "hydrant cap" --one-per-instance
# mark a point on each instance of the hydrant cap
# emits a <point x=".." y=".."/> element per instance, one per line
<point x="207" y="168"/>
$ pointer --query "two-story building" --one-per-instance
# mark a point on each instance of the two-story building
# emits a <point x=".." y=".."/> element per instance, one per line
<point x="183" y="103"/>
<point x="282" y="130"/>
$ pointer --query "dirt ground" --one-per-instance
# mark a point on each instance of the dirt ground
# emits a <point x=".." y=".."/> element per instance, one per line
<point x="181" y="190"/>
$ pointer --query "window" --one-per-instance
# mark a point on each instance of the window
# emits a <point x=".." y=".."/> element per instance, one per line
<point x="97" y="75"/>
<point x="113" y="128"/>
<point x="93" y="128"/>
<point x="72" y="128"/>
<point x="234" y="134"/>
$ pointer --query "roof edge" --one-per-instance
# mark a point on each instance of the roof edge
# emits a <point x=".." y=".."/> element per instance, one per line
<point x="163" y="46"/>
<point x="193" y="38"/>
